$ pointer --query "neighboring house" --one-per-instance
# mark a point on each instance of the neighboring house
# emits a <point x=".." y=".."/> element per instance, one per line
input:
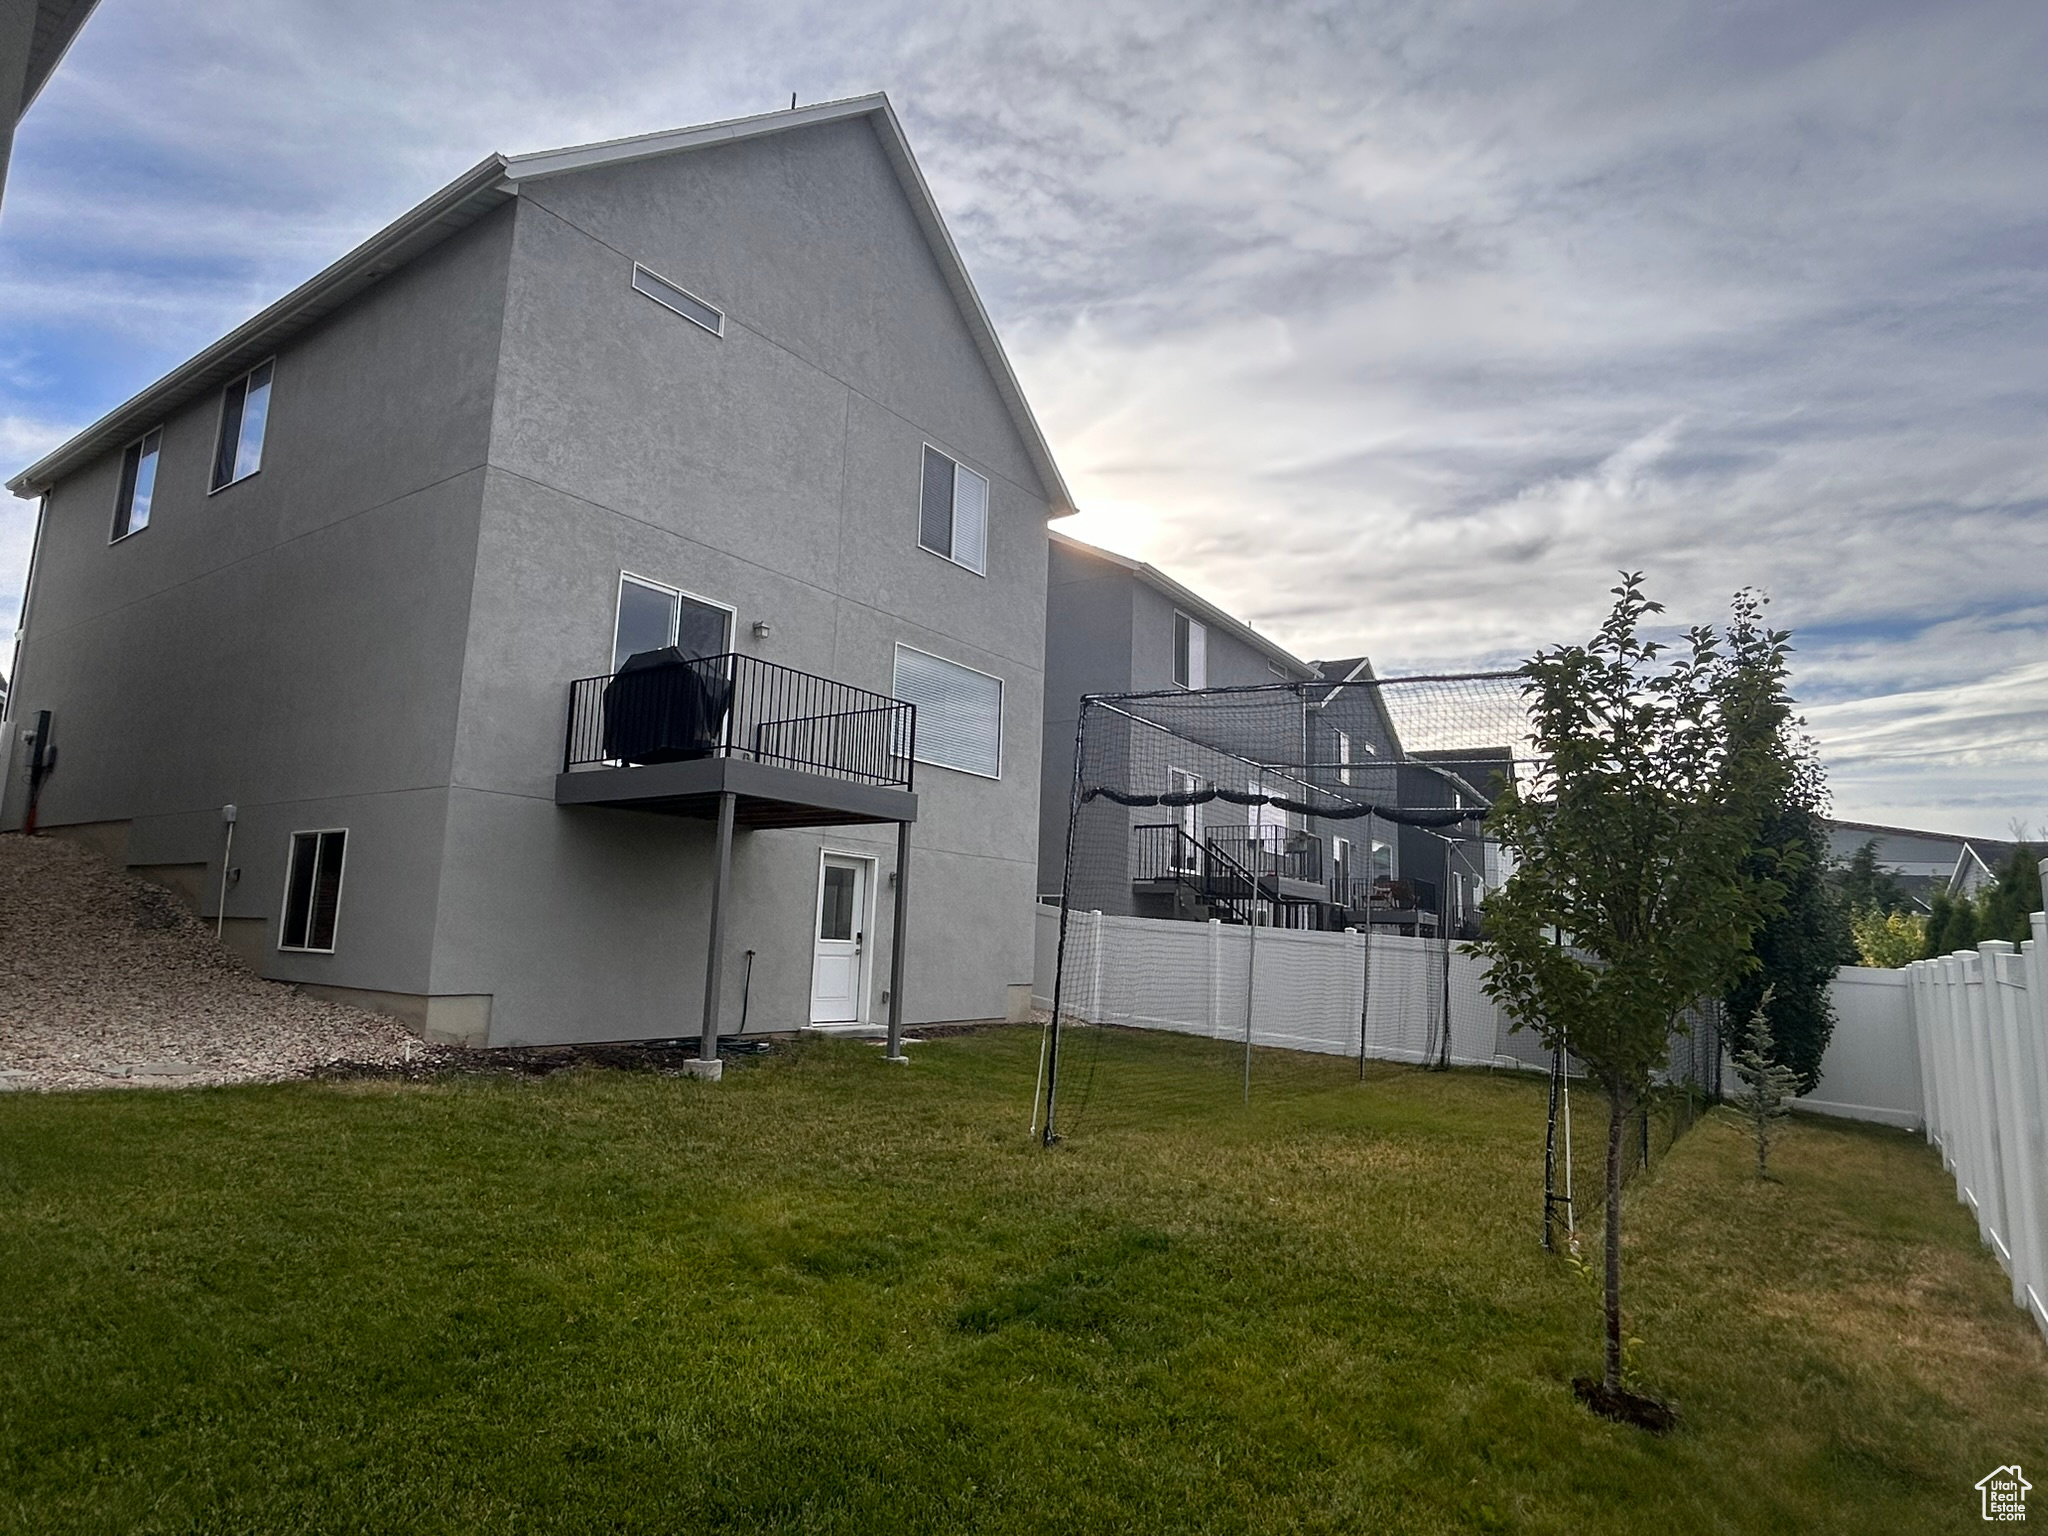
<point x="365" y="569"/>
<point x="1118" y="625"/>
<point x="1417" y="879"/>
<point x="34" y="35"/>
<point x="1924" y="863"/>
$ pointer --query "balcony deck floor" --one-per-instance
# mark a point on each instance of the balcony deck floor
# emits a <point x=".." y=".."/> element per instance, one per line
<point x="768" y="795"/>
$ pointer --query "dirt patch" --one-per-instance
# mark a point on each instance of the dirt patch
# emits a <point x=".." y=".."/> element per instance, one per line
<point x="107" y="980"/>
<point x="1626" y="1407"/>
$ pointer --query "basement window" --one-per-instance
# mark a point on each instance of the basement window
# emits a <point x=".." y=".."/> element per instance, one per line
<point x="138" y="485"/>
<point x="244" y="413"/>
<point x="952" y="515"/>
<point x="686" y="304"/>
<point x="312" y="891"/>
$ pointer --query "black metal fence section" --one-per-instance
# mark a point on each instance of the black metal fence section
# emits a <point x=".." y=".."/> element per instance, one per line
<point x="740" y="706"/>
<point x="1212" y="871"/>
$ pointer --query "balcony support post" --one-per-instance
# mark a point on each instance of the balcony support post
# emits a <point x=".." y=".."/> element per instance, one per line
<point x="707" y="1064"/>
<point x="897" y="940"/>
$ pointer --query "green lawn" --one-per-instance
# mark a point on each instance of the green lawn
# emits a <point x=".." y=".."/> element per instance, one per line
<point x="831" y="1295"/>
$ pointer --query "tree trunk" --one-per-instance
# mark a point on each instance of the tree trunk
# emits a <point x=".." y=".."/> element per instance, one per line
<point x="1617" y="1121"/>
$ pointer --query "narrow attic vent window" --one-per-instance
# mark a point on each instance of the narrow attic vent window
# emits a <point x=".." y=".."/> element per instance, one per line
<point x="669" y="296"/>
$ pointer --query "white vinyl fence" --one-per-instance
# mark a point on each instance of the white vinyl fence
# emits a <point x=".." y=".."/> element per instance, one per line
<point x="1872" y="1067"/>
<point x="1981" y="1025"/>
<point x="1190" y="978"/>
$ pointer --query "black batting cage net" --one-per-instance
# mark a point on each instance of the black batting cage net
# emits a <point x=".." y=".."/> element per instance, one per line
<point x="1271" y="886"/>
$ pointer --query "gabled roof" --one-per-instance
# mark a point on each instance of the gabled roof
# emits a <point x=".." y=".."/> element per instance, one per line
<point x="494" y="182"/>
<point x="1193" y="603"/>
<point x="56" y="24"/>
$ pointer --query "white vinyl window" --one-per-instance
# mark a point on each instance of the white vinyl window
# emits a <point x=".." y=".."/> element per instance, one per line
<point x="1189" y="843"/>
<point x="244" y="414"/>
<point x="312" y="891"/>
<point x="1190" y="651"/>
<point x="1344" y="757"/>
<point x="138" y="484"/>
<point x="952" y="516"/>
<point x="681" y="300"/>
<point x="959" y="712"/>
<point x="652" y="617"/>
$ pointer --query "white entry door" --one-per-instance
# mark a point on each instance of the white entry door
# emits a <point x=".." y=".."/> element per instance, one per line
<point x="836" y="963"/>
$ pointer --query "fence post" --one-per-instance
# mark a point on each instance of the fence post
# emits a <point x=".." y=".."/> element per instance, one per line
<point x="2015" y="1182"/>
<point x="1215" y="977"/>
<point x="1963" y="1156"/>
<point x="2031" y="1137"/>
<point x="1990" y="1187"/>
<point x="1251" y="987"/>
<point x="1095" y="967"/>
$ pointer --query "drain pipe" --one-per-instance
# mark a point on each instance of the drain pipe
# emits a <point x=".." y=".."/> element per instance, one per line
<point x="746" y="991"/>
<point x="220" y="916"/>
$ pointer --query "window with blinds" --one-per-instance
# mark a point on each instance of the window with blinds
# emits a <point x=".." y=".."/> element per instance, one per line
<point x="312" y="891"/>
<point x="959" y="712"/>
<point x="952" y="517"/>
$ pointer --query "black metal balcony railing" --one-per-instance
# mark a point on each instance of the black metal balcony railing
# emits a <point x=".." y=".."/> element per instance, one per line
<point x="1280" y="852"/>
<point x="1386" y="894"/>
<point x="739" y="706"/>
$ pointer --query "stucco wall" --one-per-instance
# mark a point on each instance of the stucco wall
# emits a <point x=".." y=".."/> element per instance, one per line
<point x="293" y="643"/>
<point x="774" y="469"/>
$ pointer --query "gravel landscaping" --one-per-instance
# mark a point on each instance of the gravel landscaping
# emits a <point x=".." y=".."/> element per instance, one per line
<point x="107" y="980"/>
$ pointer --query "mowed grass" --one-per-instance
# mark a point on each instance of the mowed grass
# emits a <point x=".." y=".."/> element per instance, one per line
<point x="832" y="1295"/>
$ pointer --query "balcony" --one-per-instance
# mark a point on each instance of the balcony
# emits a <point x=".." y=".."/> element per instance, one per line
<point x="675" y="735"/>
<point x="1224" y="875"/>
<point x="1287" y="863"/>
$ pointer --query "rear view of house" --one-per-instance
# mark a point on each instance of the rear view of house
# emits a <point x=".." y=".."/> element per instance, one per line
<point x="587" y="594"/>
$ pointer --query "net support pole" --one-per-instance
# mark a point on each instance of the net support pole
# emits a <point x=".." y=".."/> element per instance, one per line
<point x="1571" y="1209"/>
<point x="1365" y="965"/>
<point x="1251" y="987"/>
<point x="1443" y="1049"/>
<point x="1051" y="1052"/>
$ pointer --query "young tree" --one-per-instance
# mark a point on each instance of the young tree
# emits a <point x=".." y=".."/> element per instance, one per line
<point x="1630" y="845"/>
<point x="1864" y="885"/>
<point x="1804" y="937"/>
<point x="1951" y="925"/>
<point x="2009" y="905"/>
<point x="1888" y="940"/>
<point x="1768" y="1085"/>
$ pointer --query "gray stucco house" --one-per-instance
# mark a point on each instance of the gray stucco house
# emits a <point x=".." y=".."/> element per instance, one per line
<point x="1118" y="625"/>
<point x="368" y="570"/>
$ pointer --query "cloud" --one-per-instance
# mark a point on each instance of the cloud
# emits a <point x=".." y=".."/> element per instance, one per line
<point x="1395" y="328"/>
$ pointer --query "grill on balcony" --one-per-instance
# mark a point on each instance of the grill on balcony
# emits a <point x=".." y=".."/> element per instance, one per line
<point x="671" y="734"/>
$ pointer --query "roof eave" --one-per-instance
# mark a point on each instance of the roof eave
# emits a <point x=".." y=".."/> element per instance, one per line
<point x="1201" y="606"/>
<point x="454" y="208"/>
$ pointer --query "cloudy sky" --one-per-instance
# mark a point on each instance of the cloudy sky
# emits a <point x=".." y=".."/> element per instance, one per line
<point x="1396" y="329"/>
